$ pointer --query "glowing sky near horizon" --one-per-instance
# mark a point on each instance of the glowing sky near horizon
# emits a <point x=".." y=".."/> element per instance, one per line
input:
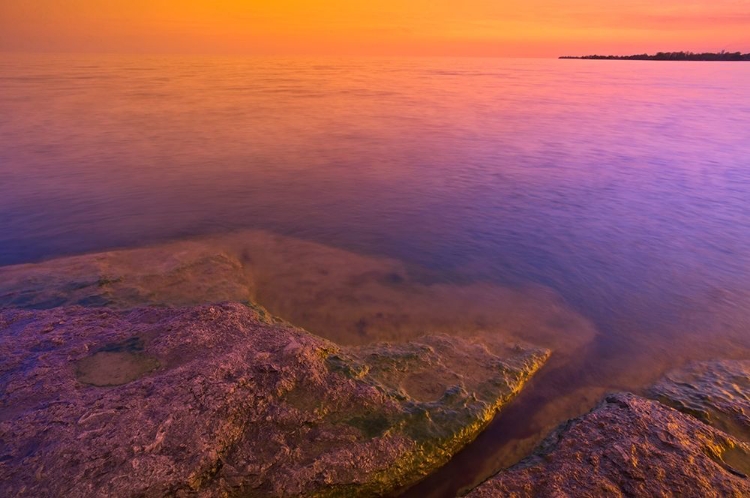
<point x="385" y="27"/>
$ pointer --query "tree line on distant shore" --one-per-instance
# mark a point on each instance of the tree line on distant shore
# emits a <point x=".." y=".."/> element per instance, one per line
<point x="670" y="56"/>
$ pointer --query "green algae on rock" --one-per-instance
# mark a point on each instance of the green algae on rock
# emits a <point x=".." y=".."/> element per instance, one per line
<point x="628" y="446"/>
<point x="239" y="405"/>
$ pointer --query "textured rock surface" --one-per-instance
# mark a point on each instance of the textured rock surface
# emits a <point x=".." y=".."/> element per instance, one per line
<point x="629" y="446"/>
<point x="219" y="400"/>
<point x="180" y="273"/>
<point x="716" y="392"/>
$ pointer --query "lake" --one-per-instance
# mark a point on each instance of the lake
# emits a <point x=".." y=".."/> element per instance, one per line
<point x="621" y="187"/>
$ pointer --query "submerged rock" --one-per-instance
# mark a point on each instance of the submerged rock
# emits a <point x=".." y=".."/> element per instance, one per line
<point x="341" y="295"/>
<point x="178" y="273"/>
<point x="629" y="446"/>
<point x="218" y="400"/>
<point x="715" y="392"/>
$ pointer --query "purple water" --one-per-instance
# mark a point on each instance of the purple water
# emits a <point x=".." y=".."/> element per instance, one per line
<point x="622" y="185"/>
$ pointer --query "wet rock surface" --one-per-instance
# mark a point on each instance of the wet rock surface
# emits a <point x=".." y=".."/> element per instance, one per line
<point x="629" y="446"/>
<point x="220" y="400"/>
<point x="715" y="392"/>
<point x="343" y="296"/>
<point x="181" y="273"/>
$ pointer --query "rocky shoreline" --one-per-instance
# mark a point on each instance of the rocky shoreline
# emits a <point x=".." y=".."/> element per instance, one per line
<point x="629" y="446"/>
<point x="169" y="380"/>
<point x="220" y="400"/>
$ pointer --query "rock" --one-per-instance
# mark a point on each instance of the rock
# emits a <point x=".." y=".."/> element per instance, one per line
<point x="219" y="400"/>
<point x="341" y="295"/>
<point x="179" y="273"/>
<point x="629" y="446"/>
<point x="715" y="392"/>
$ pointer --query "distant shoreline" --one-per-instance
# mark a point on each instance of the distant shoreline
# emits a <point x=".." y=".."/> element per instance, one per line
<point x="668" y="56"/>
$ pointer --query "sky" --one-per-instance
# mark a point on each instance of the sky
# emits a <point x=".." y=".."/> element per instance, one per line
<point x="508" y="28"/>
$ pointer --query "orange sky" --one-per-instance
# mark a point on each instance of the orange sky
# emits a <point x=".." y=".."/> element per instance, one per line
<point x="375" y="27"/>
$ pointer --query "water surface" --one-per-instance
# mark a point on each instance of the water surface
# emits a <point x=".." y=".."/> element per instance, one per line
<point x="622" y="186"/>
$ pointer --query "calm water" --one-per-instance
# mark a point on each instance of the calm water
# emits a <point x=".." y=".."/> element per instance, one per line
<point x="624" y="186"/>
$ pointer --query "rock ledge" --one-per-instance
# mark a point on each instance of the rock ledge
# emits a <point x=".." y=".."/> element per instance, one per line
<point x="221" y="400"/>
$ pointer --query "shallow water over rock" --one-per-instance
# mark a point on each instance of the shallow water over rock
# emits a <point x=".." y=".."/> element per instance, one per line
<point x="355" y="299"/>
<point x="629" y="446"/>
<point x="715" y="392"/>
<point x="116" y="364"/>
